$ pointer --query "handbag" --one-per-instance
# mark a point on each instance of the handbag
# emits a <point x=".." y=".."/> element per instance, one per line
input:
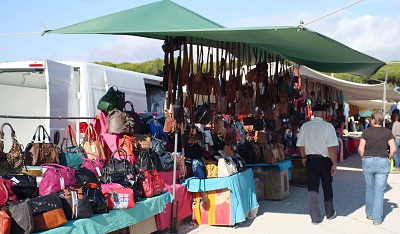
<point x="24" y="185"/>
<point x="84" y="176"/>
<point x="203" y="114"/>
<point x="170" y="121"/>
<point x="70" y="155"/>
<point x="118" y="170"/>
<point x="131" y="147"/>
<point x="21" y="217"/>
<point x="136" y="118"/>
<point x="158" y="146"/>
<point x="120" y="123"/>
<point x="93" y="163"/>
<point x="166" y="162"/>
<point x="198" y="168"/>
<point x="118" y="197"/>
<point x="219" y="125"/>
<point x="56" y="178"/>
<point x="226" y="165"/>
<point x="41" y="151"/>
<point x="5" y="223"/>
<point x="239" y="162"/>
<point x="75" y="203"/>
<point x="252" y="152"/>
<point x="12" y="161"/>
<point x="112" y="99"/>
<point x="92" y="144"/>
<point x="150" y="183"/>
<point x="47" y="212"/>
<point x="97" y="200"/>
<point x="6" y="192"/>
<point x="211" y="168"/>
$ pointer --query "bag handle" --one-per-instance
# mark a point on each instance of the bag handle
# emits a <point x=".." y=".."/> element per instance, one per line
<point x="131" y="104"/>
<point x="69" y="131"/>
<point x="54" y="165"/>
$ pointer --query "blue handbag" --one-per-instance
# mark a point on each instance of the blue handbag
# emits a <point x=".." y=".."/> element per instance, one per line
<point x="199" y="170"/>
<point x="70" y="155"/>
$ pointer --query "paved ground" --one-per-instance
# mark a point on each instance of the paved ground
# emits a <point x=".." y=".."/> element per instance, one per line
<point x="290" y="215"/>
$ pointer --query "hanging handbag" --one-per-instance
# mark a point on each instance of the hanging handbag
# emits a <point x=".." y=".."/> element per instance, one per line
<point x="112" y="99"/>
<point x="131" y="147"/>
<point x="203" y="114"/>
<point x="56" y="178"/>
<point x="170" y="121"/>
<point x="5" y="223"/>
<point x="118" y="197"/>
<point x="24" y="185"/>
<point x="198" y="168"/>
<point x="75" y="203"/>
<point x="12" y="161"/>
<point x="70" y="155"/>
<point x="6" y="192"/>
<point x="84" y="176"/>
<point x="118" y="170"/>
<point x="94" y="163"/>
<point x="226" y="165"/>
<point x="92" y="144"/>
<point x="47" y="212"/>
<point x="136" y="118"/>
<point x="97" y="200"/>
<point x="21" y="217"/>
<point x="120" y="123"/>
<point x="150" y="182"/>
<point x="41" y="151"/>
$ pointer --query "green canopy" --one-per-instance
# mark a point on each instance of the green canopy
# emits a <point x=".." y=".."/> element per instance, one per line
<point x="165" y="18"/>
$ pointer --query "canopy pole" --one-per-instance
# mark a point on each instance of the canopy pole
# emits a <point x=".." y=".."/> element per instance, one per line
<point x="384" y="92"/>
<point x="42" y="117"/>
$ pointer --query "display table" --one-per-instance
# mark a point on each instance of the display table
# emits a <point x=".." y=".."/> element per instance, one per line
<point x="115" y="219"/>
<point x="282" y="165"/>
<point x="353" y="142"/>
<point x="242" y="192"/>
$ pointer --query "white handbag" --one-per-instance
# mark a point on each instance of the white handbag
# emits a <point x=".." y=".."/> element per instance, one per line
<point x="226" y="166"/>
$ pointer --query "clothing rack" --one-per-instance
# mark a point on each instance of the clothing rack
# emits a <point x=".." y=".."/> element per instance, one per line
<point x="42" y="117"/>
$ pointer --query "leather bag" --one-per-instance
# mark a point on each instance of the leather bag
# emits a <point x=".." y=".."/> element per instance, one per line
<point x="118" y="170"/>
<point x="226" y="165"/>
<point x="47" y="212"/>
<point x="84" y="176"/>
<point x="158" y="146"/>
<point x="198" y="168"/>
<point x="21" y="217"/>
<point x="5" y="223"/>
<point x="252" y="153"/>
<point x="92" y="144"/>
<point x="6" y="192"/>
<point x="97" y="200"/>
<point x="56" y="178"/>
<point x="41" y="150"/>
<point x="70" y="155"/>
<point x="118" y="197"/>
<point x="170" y="121"/>
<point x="239" y="162"/>
<point x="75" y="203"/>
<point x="144" y="160"/>
<point x="131" y="147"/>
<point x="12" y="161"/>
<point x="150" y="183"/>
<point x="94" y="163"/>
<point x="211" y="168"/>
<point x="135" y="116"/>
<point x="24" y="185"/>
<point x="112" y="99"/>
<point x="120" y="123"/>
<point x="166" y="162"/>
<point x="203" y="114"/>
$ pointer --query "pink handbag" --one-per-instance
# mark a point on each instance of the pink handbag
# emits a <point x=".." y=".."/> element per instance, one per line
<point x="56" y="178"/>
<point x="95" y="164"/>
<point x="118" y="196"/>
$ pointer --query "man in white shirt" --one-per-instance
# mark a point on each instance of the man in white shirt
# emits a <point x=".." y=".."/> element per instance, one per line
<point x="317" y="142"/>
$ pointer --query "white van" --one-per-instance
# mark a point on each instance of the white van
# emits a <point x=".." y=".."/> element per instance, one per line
<point x="66" y="89"/>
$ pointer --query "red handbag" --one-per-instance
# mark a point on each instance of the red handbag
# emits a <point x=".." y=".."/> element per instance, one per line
<point x="56" y="178"/>
<point x="6" y="192"/>
<point x="118" y="196"/>
<point x="150" y="182"/>
<point x="94" y="163"/>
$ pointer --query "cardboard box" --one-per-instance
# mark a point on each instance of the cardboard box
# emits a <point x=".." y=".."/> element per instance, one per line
<point x="276" y="183"/>
<point x="146" y="226"/>
<point x="259" y="187"/>
<point x="299" y="174"/>
<point x="212" y="207"/>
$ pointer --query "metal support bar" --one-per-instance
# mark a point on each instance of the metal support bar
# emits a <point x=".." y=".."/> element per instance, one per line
<point x="42" y="117"/>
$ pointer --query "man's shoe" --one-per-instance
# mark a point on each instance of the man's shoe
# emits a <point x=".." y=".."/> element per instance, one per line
<point x="369" y="217"/>
<point x="333" y="216"/>
<point x="377" y="223"/>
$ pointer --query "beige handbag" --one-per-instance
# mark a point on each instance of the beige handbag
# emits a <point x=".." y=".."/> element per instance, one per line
<point x="92" y="143"/>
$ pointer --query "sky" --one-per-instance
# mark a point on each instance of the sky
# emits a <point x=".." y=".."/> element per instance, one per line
<point x="370" y="26"/>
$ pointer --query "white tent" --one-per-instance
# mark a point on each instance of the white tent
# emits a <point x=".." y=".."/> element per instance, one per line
<point x="362" y="95"/>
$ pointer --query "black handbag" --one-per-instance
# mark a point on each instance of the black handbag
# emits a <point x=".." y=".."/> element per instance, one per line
<point x="144" y="160"/>
<point x="24" y="185"/>
<point x="158" y="146"/>
<point x="203" y="114"/>
<point x="166" y="162"/>
<point x="97" y="200"/>
<point x="112" y="99"/>
<point x="118" y="170"/>
<point x="84" y="176"/>
<point x="76" y="204"/>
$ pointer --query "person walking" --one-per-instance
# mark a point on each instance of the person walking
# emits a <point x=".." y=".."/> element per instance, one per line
<point x="396" y="133"/>
<point x="318" y="143"/>
<point x="373" y="150"/>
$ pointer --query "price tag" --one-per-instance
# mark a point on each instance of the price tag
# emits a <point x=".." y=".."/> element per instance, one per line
<point x="15" y="180"/>
<point x="94" y="149"/>
<point x="98" y="171"/>
<point x="62" y="183"/>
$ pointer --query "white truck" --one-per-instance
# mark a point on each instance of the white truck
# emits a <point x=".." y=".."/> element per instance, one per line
<point x="66" y="89"/>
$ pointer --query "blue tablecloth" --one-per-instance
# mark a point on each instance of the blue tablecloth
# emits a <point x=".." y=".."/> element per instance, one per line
<point x="243" y="195"/>
<point x="115" y="219"/>
<point x="283" y="165"/>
